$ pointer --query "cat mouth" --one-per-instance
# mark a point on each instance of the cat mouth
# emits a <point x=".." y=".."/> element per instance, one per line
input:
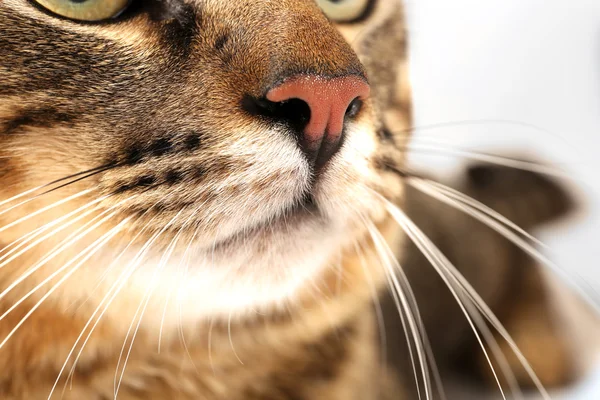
<point x="304" y="209"/>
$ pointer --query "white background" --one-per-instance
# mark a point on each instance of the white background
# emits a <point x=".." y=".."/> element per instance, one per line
<point x="533" y="64"/>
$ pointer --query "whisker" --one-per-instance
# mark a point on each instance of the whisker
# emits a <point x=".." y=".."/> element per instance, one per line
<point x="114" y="289"/>
<point x="184" y="258"/>
<point x="34" y="233"/>
<point x="406" y="288"/>
<point x="114" y="263"/>
<point x="146" y="300"/>
<point x="135" y="262"/>
<point x="180" y="267"/>
<point x="475" y="122"/>
<point x="442" y="265"/>
<point x="35" y="189"/>
<point x="210" y="357"/>
<point x="143" y="252"/>
<point x="66" y="243"/>
<point x="164" y="259"/>
<point x="20" y="195"/>
<point x="231" y="340"/>
<point x="84" y="174"/>
<point x="375" y="296"/>
<point x="80" y="177"/>
<point x="456" y="195"/>
<point x="92" y="250"/>
<point x="51" y="276"/>
<point x="401" y="300"/>
<point x="42" y="210"/>
<point x="405" y="327"/>
<point x="509" y="235"/>
<point x="426" y="251"/>
<point x="25" y="239"/>
<point x="182" y="333"/>
<point x="461" y="283"/>
<point x="491" y="159"/>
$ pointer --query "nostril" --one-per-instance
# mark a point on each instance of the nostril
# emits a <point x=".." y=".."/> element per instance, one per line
<point x="354" y="108"/>
<point x="296" y="112"/>
<point x="293" y="112"/>
<point x="316" y="108"/>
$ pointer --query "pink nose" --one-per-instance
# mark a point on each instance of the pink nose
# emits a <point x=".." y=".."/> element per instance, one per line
<point x="331" y="102"/>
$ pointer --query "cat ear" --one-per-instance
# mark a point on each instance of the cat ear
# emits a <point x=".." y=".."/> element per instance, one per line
<point x="481" y="175"/>
<point x="528" y="197"/>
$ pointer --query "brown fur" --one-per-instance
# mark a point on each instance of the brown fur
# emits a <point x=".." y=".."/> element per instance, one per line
<point x="247" y="295"/>
<point x="153" y="105"/>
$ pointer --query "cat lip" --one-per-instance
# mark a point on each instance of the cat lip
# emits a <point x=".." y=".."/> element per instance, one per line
<point x="301" y="210"/>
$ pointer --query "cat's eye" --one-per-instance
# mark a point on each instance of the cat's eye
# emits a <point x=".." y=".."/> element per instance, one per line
<point x="85" y="10"/>
<point x="344" y="10"/>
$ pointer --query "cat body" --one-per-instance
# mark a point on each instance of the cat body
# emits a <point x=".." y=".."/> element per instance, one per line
<point x="188" y="195"/>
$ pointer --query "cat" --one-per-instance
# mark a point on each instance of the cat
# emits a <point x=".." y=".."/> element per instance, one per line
<point x="195" y="197"/>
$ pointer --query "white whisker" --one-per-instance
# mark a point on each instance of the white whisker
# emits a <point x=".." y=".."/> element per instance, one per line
<point x="20" y="195"/>
<point x="113" y="263"/>
<point x="32" y="270"/>
<point x="92" y="250"/>
<point x="402" y="302"/>
<point x="42" y="210"/>
<point x="456" y="195"/>
<point x="142" y="307"/>
<point x="413" y="301"/>
<point x="114" y="289"/>
<point x="231" y="340"/>
<point x="210" y="357"/>
<point x="182" y="333"/>
<point x="425" y="249"/>
<point x="443" y="266"/>
<point x="492" y="159"/>
<point x="180" y="267"/>
<point x="69" y="241"/>
<point x="377" y="303"/>
<point x="508" y="234"/>
<point x="26" y="238"/>
<point x="10" y="256"/>
<point x="184" y="258"/>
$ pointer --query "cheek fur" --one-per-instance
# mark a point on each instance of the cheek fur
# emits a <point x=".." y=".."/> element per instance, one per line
<point x="163" y="109"/>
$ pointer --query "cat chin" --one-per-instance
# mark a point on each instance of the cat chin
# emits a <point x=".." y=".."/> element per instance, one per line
<point x="204" y="286"/>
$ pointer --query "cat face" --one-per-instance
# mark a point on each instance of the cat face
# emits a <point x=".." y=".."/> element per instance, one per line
<point x="224" y="151"/>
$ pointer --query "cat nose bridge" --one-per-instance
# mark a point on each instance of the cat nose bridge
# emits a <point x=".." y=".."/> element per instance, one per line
<point x="306" y="42"/>
<point x="310" y="80"/>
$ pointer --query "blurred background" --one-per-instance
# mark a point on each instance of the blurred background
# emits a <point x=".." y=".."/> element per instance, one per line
<point x="519" y="75"/>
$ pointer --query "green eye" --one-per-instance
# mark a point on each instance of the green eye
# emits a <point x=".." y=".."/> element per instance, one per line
<point x="344" y="10"/>
<point x="85" y="10"/>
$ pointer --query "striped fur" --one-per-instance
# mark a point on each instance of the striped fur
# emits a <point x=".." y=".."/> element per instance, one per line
<point x="233" y="285"/>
